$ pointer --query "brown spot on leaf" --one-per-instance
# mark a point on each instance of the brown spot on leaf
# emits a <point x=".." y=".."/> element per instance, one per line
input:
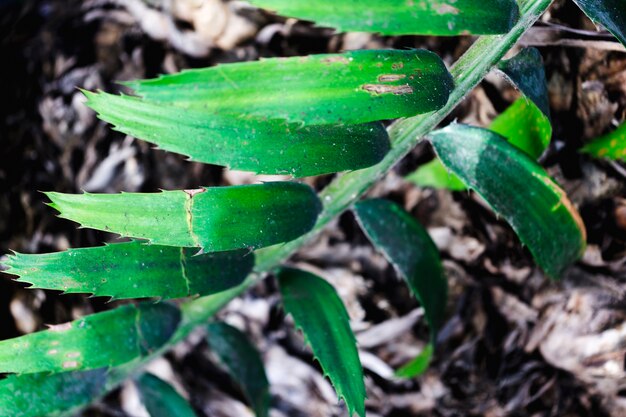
<point x="70" y="364"/>
<point x="388" y="89"/>
<point x="387" y="78"/>
<point x="397" y="65"/>
<point x="333" y="59"/>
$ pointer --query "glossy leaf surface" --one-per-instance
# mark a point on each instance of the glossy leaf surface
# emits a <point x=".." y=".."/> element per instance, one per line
<point x="214" y="218"/>
<point x="133" y="270"/>
<point x="161" y="399"/>
<point x="99" y="340"/>
<point x="609" y="13"/>
<point x="243" y="362"/>
<point x="350" y="88"/>
<point x="259" y="146"/>
<point x="319" y="312"/>
<point x="610" y="146"/>
<point x="408" y="247"/>
<point x="395" y="17"/>
<point x="517" y="189"/>
<point x="42" y="394"/>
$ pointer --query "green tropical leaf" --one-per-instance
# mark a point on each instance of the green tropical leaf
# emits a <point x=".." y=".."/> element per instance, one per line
<point x="610" y="146"/>
<point x="517" y="189"/>
<point x="243" y="363"/>
<point x="441" y="18"/>
<point x="103" y="339"/>
<point x="525" y="127"/>
<point x="42" y="394"/>
<point x="260" y="146"/>
<point x="408" y="247"/>
<point x="525" y="70"/>
<point x="212" y="218"/>
<point x="133" y="270"/>
<point x="161" y="400"/>
<point x="609" y="13"/>
<point x="434" y="174"/>
<point x="319" y="312"/>
<point x="350" y="88"/>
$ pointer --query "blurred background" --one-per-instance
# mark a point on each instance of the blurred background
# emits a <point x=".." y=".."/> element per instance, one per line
<point x="514" y="343"/>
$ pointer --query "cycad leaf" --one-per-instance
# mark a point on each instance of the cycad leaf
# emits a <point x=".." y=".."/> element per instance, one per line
<point x="525" y="127"/>
<point x="518" y="189"/>
<point x="525" y="70"/>
<point x="260" y="146"/>
<point x="161" y="400"/>
<point x="611" y="146"/>
<point x="133" y="270"/>
<point x="42" y="394"/>
<point x="441" y="18"/>
<point x="609" y="13"/>
<point x="213" y="218"/>
<point x="350" y="88"/>
<point x="408" y="247"/>
<point x="318" y="311"/>
<point x="103" y="339"/>
<point x="243" y="362"/>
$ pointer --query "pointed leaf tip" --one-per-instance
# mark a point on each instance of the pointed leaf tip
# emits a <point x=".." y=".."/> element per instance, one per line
<point x="319" y="312"/>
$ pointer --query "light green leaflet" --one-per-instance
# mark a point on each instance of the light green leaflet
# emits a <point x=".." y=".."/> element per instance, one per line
<point x="525" y="127"/>
<point x="434" y="174"/>
<point x="611" y="146"/>
<point x="350" y="88"/>
<point x="103" y="339"/>
<point x="401" y="17"/>
<point x="517" y="189"/>
<point x="42" y="394"/>
<point x="408" y="247"/>
<point x="212" y="218"/>
<point x="243" y="363"/>
<point x="259" y="146"/>
<point x="609" y="13"/>
<point x="318" y="311"/>
<point x="161" y="400"/>
<point x="133" y="270"/>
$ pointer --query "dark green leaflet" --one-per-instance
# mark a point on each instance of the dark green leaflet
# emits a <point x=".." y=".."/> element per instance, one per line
<point x="42" y="394"/>
<point x="350" y="88"/>
<point x="409" y="248"/>
<point x="103" y="339"/>
<point x="320" y="314"/>
<point x="518" y="189"/>
<point x="161" y="400"/>
<point x="212" y="218"/>
<point x="609" y="13"/>
<point x="260" y="146"/>
<point x="525" y="70"/>
<point x="133" y="270"/>
<point x="243" y="362"/>
<point x="400" y="17"/>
